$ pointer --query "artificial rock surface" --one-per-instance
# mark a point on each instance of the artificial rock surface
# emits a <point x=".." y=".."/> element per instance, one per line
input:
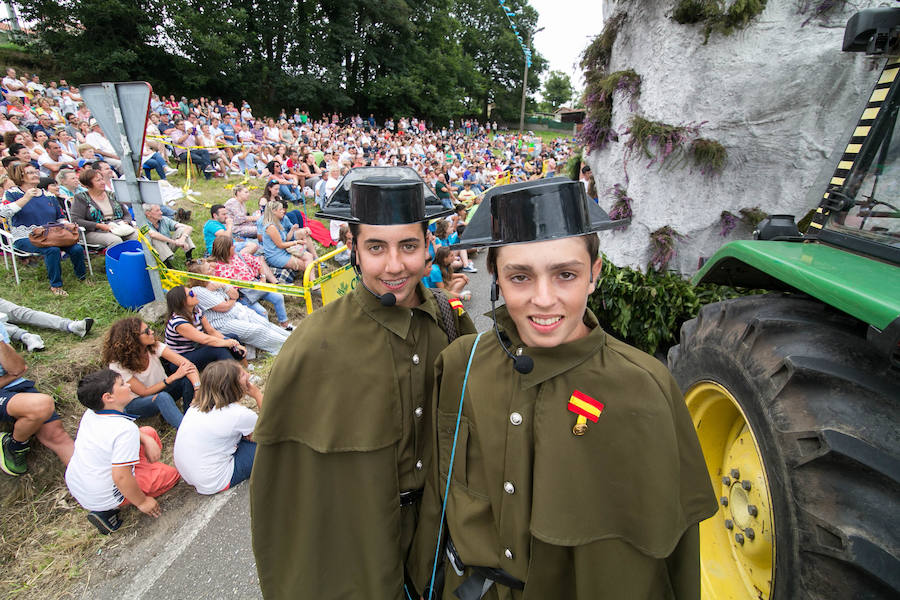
<point x="778" y="95"/>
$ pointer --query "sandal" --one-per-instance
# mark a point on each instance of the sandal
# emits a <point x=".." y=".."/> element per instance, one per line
<point x="58" y="291"/>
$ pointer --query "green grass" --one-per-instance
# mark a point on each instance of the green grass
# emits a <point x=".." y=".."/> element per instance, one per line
<point x="45" y="542"/>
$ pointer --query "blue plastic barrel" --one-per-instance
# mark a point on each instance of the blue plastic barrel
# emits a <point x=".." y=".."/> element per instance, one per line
<point x="127" y="273"/>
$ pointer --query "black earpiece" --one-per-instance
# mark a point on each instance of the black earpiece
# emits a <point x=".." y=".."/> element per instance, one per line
<point x="388" y="299"/>
<point x="522" y="363"/>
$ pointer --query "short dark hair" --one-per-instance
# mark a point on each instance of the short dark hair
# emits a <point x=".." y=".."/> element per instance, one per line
<point x="92" y="387"/>
<point x="214" y="209"/>
<point x="591" y="243"/>
<point x="15" y="148"/>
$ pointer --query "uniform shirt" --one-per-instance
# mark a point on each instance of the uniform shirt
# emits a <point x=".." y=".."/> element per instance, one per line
<point x="105" y="439"/>
<point x="205" y="445"/>
<point x="336" y="451"/>
<point x="590" y="516"/>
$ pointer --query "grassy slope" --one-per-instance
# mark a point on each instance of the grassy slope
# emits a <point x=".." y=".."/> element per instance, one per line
<point x="45" y="541"/>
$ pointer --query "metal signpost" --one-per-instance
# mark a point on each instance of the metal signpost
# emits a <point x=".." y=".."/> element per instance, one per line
<point x="121" y="110"/>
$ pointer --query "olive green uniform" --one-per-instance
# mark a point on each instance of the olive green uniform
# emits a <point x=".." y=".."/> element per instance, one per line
<point x="612" y="513"/>
<point x="340" y="435"/>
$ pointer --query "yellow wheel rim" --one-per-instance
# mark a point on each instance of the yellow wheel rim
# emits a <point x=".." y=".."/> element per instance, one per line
<point x="737" y="550"/>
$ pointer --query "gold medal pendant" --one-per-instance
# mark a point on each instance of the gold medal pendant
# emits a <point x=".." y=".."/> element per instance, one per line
<point x="580" y="425"/>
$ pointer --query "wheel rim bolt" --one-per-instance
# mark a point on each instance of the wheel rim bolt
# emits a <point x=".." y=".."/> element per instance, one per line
<point x="735" y="474"/>
<point x="724" y="501"/>
<point x="746" y="484"/>
<point x="729" y="524"/>
<point x="750" y="533"/>
<point x="739" y="538"/>
<point x="726" y="481"/>
<point x="751" y="508"/>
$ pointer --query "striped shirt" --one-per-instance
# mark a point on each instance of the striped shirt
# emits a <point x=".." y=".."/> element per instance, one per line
<point x="175" y="340"/>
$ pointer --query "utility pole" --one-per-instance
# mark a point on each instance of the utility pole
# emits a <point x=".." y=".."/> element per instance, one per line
<point x="12" y="17"/>
<point x="528" y="38"/>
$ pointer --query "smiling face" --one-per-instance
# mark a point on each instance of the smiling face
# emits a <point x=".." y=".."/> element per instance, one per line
<point x="392" y="259"/>
<point x="546" y="286"/>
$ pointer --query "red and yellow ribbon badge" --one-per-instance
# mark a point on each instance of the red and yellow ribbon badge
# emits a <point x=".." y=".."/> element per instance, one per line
<point x="586" y="408"/>
<point x="455" y="303"/>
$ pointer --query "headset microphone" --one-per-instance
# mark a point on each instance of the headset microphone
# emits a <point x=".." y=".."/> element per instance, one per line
<point x="388" y="299"/>
<point x="523" y="364"/>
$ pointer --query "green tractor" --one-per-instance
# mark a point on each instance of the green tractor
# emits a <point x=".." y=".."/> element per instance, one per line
<point x="795" y="395"/>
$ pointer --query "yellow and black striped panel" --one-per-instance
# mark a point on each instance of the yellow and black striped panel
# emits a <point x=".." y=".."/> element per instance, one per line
<point x="888" y="76"/>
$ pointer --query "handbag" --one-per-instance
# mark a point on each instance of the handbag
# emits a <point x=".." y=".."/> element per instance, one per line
<point x="60" y="235"/>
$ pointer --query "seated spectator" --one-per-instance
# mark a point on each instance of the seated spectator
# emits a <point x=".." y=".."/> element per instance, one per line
<point x="220" y="303"/>
<point x="11" y="313"/>
<point x="244" y="223"/>
<point x="106" y="222"/>
<point x="68" y="183"/>
<point x="114" y="462"/>
<point x="189" y="333"/>
<point x="214" y="449"/>
<point x="344" y="238"/>
<point x="270" y="192"/>
<point x="452" y="283"/>
<point x="132" y="350"/>
<point x="28" y="207"/>
<point x="287" y="184"/>
<point x="102" y="146"/>
<point x="166" y="235"/>
<point x="31" y="412"/>
<point x="246" y="267"/>
<point x="433" y="277"/>
<point x="54" y="159"/>
<point x="467" y="196"/>
<point x="152" y="160"/>
<point x="278" y="242"/>
<point x="221" y="224"/>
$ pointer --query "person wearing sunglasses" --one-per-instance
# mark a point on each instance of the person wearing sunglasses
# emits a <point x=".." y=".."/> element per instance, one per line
<point x="156" y="374"/>
<point x="189" y="333"/>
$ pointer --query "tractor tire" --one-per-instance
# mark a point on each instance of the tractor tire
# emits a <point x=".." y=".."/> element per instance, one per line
<point x="799" y="421"/>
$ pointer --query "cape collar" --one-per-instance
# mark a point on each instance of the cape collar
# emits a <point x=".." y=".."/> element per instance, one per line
<point x="395" y="319"/>
<point x="550" y="362"/>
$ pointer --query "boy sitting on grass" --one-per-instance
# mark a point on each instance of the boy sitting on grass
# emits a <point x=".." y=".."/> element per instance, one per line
<point x="114" y="462"/>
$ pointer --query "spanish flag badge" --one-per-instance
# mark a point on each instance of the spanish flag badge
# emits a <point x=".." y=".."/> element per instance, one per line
<point x="455" y="303"/>
<point x="586" y="408"/>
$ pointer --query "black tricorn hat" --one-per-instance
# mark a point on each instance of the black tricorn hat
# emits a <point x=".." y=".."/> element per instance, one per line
<point x="382" y="196"/>
<point x="533" y="211"/>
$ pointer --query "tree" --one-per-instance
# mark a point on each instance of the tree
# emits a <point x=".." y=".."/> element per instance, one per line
<point x="558" y="89"/>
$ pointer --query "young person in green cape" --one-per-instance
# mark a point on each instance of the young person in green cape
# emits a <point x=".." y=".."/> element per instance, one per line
<point x="341" y="454"/>
<point x="566" y="462"/>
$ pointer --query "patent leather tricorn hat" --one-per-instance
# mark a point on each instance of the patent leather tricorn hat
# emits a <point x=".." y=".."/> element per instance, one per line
<point x="382" y="196"/>
<point x="534" y="211"/>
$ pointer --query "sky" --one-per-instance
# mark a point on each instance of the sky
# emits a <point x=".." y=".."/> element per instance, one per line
<point x="568" y="27"/>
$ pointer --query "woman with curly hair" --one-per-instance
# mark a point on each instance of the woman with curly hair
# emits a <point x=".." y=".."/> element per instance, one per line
<point x="132" y="350"/>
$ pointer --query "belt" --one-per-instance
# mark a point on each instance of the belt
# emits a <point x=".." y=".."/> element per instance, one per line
<point x="409" y="497"/>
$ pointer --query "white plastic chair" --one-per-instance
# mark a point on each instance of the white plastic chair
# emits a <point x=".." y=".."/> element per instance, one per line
<point x="9" y="250"/>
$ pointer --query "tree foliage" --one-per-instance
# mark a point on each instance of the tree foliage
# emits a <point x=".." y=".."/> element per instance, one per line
<point x="558" y="89"/>
<point x="437" y="59"/>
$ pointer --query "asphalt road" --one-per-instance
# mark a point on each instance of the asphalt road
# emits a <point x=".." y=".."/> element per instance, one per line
<point x="200" y="547"/>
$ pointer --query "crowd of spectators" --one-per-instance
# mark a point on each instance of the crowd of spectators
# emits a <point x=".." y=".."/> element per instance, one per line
<point x="56" y="165"/>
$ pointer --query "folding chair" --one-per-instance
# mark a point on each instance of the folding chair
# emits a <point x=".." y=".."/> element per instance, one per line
<point x="9" y="250"/>
<point x="83" y="233"/>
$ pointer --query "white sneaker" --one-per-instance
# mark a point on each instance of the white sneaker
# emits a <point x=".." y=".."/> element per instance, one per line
<point x="171" y="171"/>
<point x="81" y="328"/>
<point x="465" y="295"/>
<point x="32" y="342"/>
